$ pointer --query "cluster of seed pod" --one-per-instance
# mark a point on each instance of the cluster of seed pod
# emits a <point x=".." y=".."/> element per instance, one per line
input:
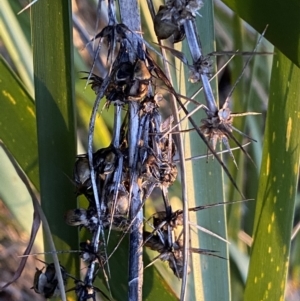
<point x="130" y="82"/>
<point x="118" y="179"/>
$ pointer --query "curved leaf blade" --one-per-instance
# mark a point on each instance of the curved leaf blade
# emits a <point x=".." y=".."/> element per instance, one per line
<point x="15" y="41"/>
<point x="54" y="90"/>
<point x="282" y="17"/>
<point x="277" y="186"/>
<point x="18" y="122"/>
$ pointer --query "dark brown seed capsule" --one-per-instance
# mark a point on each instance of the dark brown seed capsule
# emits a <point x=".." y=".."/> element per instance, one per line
<point x="46" y="283"/>
<point x="137" y="89"/>
<point x="179" y="35"/>
<point x="154" y="242"/>
<point x="82" y="175"/>
<point x="163" y="25"/>
<point x="124" y="73"/>
<point x="141" y="71"/>
<point x="105" y="160"/>
<point x="39" y="281"/>
<point x="120" y="205"/>
<point x="173" y="254"/>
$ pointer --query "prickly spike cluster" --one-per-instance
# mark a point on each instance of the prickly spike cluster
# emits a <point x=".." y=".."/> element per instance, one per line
<point x="118" y="179"/>
<point x="218" y="124"/>
<point x="137" y="160"/>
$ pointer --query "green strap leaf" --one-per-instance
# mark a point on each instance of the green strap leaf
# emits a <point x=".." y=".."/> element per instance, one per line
<point x="15" y="42"/>
<point x="18" y="122"/>
<point x="54" y="90"/>
<point x="277" y="186"/>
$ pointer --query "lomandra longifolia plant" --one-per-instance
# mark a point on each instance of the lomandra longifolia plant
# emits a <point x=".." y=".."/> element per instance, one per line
<point x="160" y="94"/>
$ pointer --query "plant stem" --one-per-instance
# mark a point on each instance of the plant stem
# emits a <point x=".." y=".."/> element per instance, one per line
<point x="130" y="16"/>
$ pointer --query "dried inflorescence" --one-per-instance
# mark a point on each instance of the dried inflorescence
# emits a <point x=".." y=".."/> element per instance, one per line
<point x="167" y="238"/>
<point x="204" y="65"/>
<point x="172" y="253"/>
<point x="218" y="124"/>
<point x="218" y="127"/>
<point x="106" y="177"/>
<point x="128" y="81"/>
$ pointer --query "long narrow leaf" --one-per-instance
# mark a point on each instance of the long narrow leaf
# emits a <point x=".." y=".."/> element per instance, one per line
<point x="18" y="122"/>
<point x="16" y="44"/>
<point x="277" y="186"/>
<point x="53" y="74"/>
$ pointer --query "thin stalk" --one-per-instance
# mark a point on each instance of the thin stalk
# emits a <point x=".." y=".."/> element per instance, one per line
<point x="117" y="126"/>
<point x="135" y="281"/>
<point x="130" y="16"/>
<point x="196" y="53"/>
